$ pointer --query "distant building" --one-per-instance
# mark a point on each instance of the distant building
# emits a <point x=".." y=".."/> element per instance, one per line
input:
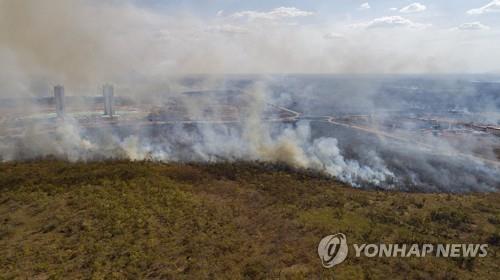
<point x="59" y="100"/>
<point x="108" y="94"/>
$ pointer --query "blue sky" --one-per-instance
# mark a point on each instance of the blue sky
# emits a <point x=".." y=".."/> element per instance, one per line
<point x="443" y="13"/>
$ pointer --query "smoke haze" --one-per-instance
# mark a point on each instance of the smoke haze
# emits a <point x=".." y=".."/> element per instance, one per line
<point x="78" y="43"/>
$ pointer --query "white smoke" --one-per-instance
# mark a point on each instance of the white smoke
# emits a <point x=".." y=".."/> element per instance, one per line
<point x="251" y="140"/>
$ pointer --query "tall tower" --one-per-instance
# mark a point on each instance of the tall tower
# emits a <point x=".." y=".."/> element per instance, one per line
<point x="108" y="93"/>
<point x="59" y="100"/>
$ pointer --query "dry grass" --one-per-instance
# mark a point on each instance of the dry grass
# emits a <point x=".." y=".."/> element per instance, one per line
<point x="247" y="220"/>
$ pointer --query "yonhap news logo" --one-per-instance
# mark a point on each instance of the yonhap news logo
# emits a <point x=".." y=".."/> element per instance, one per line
<point x="333" y="250"/>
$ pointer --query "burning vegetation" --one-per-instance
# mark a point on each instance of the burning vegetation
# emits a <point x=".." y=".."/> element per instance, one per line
<point x="386" y="149"/>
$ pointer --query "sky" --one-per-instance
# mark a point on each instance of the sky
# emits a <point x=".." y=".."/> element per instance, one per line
<point x="439" y="32"/>
<point x="440" y="13"/>
<point x="430" y="29"/>
<point x="93" y="41"/>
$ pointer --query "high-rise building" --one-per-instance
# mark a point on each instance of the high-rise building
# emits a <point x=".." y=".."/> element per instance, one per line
<point x="108" y="92"/>
<point x="59" y="100"/>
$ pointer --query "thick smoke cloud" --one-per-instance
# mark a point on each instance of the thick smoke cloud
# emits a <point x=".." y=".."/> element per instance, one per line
<point x="81" y="43"/>
<point x="251" y="139"/>
<point x="75" y="43"/>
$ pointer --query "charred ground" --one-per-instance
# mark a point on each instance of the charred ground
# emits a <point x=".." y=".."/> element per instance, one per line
<point x="122" y="219"/>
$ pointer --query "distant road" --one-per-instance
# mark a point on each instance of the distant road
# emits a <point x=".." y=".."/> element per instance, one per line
<point x="427" y="147"/>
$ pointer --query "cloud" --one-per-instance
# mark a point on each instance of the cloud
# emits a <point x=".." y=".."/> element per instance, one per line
<point x="275" y="14"/>
<point x="413" y="8"/>
<point x="334" y="36"/>
<point x="392" y="22"/>
<point x="228" y="29"/>
<point x="472" y="26"/>
<point x="492" y="7"/>
<point x="365" y="6"/>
